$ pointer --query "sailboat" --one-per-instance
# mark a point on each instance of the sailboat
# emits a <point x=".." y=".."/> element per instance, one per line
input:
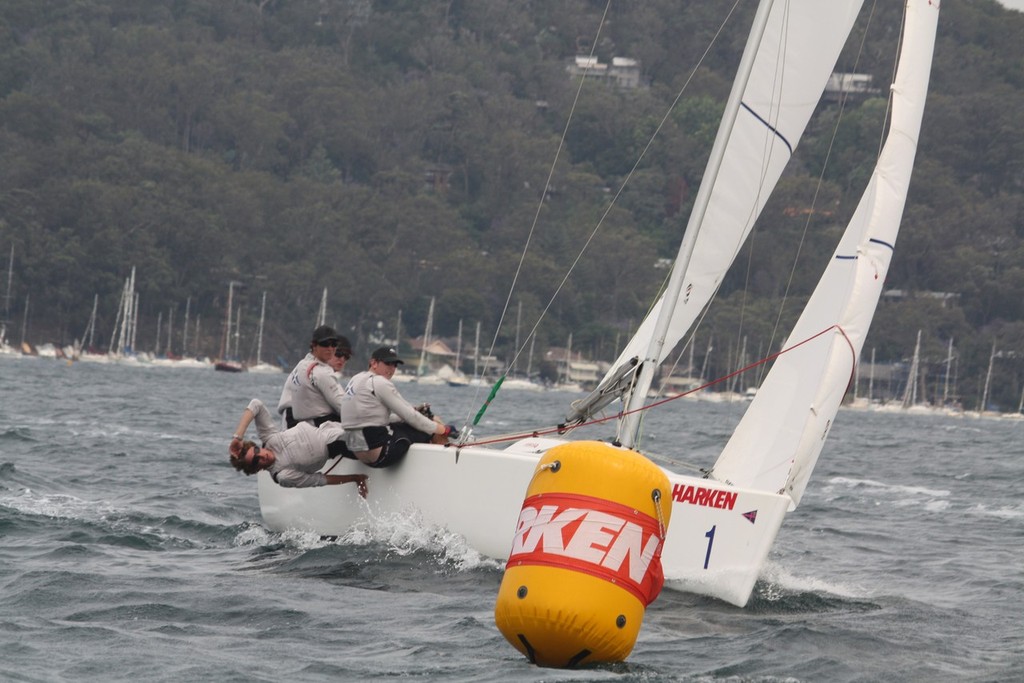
<point x="259" y="366"/>
<point x="458" y="377"/>
<point x="724" y="523"/>
<point x="7" y="349"/>
<point x="983" y="410"/>
<point x="423" y="373"/>
<point x="228" y="362"/>
<point x="913" y="395"/>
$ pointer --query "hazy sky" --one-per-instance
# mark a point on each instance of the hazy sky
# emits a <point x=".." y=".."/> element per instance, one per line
<point x="1013" y="4"/>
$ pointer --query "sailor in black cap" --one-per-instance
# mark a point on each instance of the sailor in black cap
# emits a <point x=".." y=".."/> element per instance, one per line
<point x="379" y="424"/>
<point x="311" y="392"/>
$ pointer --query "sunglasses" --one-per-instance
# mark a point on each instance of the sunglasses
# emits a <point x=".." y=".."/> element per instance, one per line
<point x="256" y="457"/>
<point x="392" y="363"/>
<point x="340" y="354"/>
<point x="328" y="342"/>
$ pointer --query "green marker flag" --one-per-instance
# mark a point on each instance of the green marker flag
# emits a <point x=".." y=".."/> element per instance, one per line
<point x="490" y="397"/>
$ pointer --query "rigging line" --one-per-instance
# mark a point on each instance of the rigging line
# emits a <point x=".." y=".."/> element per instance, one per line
<point x="547" y="185"/>
<point x="565" y="429"/>
<point x="626" y="180"/>
<point x="536" y="219"/>
<point x="821" y="180"/>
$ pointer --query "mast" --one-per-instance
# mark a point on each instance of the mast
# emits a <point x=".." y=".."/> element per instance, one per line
<point x="184" y="332"/>
<point x="910" y="393"/>
<point x="458" y="348"/>
<point x="476" y="352"/>
<point x="259" y="334"/>
<point x="321" y="316"/>
<point x="689" y="367"/>
<point x="170" y="327"/>
<point x="197" y="335"/>
<point x="871" y="377"/>
<point x="24" y="322"/>
<point x="115" y="336"/>
<point x="988" y="380"/>
<point x="135" y="314"/>
<point x="7" y="299"/>
<point x="426" y="339"/>
<point x="519" y="316"/>
<point x="225" y="347"/>
<point x="630" y="425"/>
<point x="949" y="361"/>
<point x="238" y="333"/>
<point x="568" y="359"/>
<point x="529" y="361"/>
<point x="159" y="331"/>
<point x="90" y="329"/>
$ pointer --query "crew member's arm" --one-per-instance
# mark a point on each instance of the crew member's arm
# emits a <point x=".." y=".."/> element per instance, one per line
<point x="389" y="396"/>
<point x="235" y="448"/>
<point x="264" y="424"/>
<point x="296" y="479"/>
<point x="359" y="479"/>
<point x="326" y="383"/>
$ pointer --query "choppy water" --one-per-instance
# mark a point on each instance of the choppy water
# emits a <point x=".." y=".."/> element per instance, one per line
<point x="130" y="550"/>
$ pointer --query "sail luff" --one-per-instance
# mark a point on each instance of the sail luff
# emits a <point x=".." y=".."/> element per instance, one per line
<point x="777" y="443"/>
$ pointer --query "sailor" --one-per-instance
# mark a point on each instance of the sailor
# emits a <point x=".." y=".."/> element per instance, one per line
<point x="379" y="424"/>
<point x="294" y="456"/>
<point x="311" y="392"/>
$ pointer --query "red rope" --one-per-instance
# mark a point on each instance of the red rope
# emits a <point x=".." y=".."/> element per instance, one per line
<point x="562" y="429"/>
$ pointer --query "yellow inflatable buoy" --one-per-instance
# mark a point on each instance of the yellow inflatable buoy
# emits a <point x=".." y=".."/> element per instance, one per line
<point x="586" y="558"/>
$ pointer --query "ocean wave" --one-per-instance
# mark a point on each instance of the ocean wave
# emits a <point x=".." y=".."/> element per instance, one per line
<point x="882" y="488"/>
<point x="393" y="535"/>
<point x="57" y="506"/>
<point x="982" y="510"/>
<point x="778" y="584"/>
<point x="16" y="434"/>
<point x="109" y="524"/>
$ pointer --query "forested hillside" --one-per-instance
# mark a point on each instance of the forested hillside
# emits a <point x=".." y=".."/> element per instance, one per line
<point x="391" y="151"/>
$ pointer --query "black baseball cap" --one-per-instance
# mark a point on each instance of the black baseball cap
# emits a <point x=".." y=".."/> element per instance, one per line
<point x="326" y="333"/>
<point x="386" y="354"/>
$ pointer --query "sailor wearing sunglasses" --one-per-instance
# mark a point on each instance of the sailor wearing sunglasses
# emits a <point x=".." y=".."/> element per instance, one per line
<point x="311" y="392"/>
<point x="293" y="457"/>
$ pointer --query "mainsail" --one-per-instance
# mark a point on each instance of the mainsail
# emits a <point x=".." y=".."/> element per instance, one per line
<point x="776" y="444"/>
<point x="793" y="61"/>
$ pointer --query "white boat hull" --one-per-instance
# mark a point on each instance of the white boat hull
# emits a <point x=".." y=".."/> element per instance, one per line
<point x="715" y="546"/>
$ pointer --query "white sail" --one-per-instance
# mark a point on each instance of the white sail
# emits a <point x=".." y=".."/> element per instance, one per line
<point x="776" y="445"/>
<point x="723" y="527"/>
<point x="801" y="43"/>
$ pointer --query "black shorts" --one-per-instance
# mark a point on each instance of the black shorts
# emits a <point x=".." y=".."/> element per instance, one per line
<point x="289" y="418"/>
<point x="394" y="442"/>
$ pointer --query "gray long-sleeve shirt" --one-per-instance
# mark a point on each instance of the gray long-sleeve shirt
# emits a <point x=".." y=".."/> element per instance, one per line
<point x="298" y="452"/>
<point x="373" y="401"/>
<point x="311" y="390"/>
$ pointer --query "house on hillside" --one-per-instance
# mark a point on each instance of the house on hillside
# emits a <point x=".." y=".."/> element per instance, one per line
<point x="573" y="368"/>
<point x="623" y="72"/>
<point x="841" y="86"/>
